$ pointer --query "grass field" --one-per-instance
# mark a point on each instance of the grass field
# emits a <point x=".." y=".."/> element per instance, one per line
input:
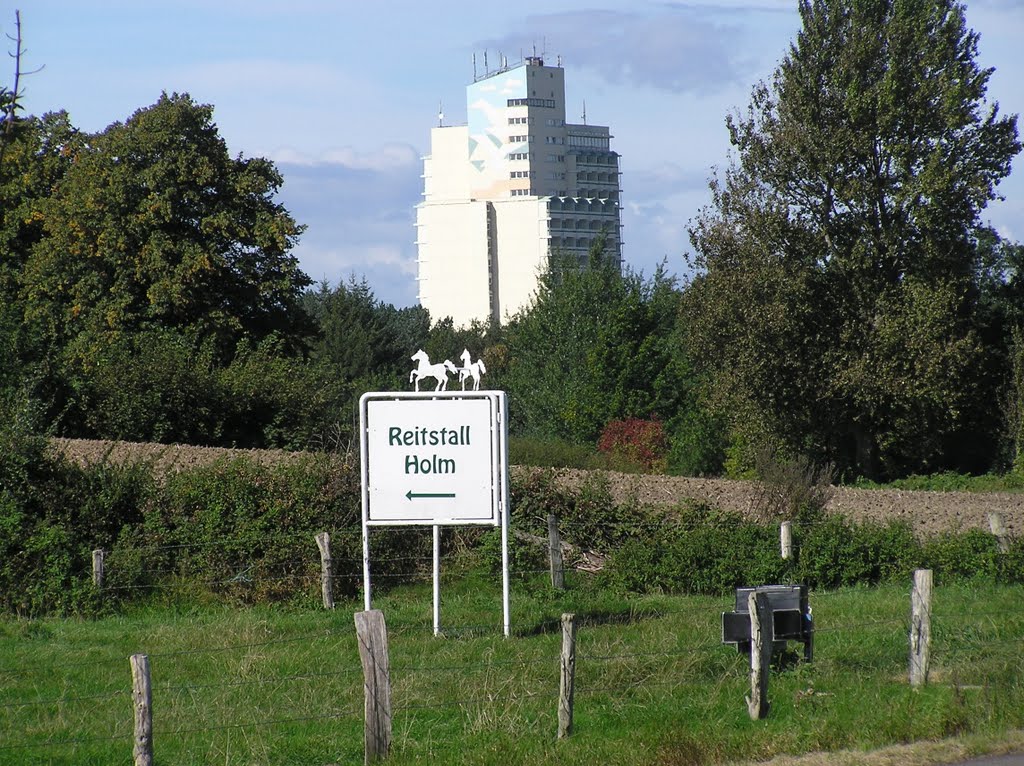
<point x="654" y="685"/>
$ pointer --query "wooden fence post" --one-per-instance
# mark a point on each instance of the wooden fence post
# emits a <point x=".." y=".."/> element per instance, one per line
<point x="142" y="697"/>
<point x="786" y="539"/>
<point x="372" y="635"/>
<point x="567" y="683"/>
<point x="761" y="638"/>
<point x="323" y="542"/>
<point x="97" y="568"/>
<point x="998" y="527"/>
<point x="555" y="553"/>
<point x="920" y="626"/>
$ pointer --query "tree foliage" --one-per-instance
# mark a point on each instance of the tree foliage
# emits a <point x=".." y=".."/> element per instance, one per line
<point x="154" y="225"/>
<point x="837" y="304"/>
<point x="597" y="346"/>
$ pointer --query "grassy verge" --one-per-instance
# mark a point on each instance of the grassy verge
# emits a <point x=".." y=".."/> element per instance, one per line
<point x="654" y="685"/>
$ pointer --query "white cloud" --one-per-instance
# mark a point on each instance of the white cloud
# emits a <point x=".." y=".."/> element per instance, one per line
<point x="386" y="158"/>
<point x="676" y="49"/>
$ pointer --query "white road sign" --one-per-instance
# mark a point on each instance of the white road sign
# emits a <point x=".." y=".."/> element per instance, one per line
<point x="432" y="458"/>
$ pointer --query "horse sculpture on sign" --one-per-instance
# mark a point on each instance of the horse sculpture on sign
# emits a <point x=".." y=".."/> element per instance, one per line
<point x="424" y="369"/>
<point x="471" y="369"/>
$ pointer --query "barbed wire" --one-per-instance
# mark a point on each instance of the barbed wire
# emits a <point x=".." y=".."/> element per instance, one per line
<point x="64" y="742"/>
<point x="62" y="700"/>
<point x="249" y="645"/>
<point x="259" y="681"/>
<point x="22" y="670"/>
<point x="273" y="722"/>
<point x="473" y="666"/>
<point x="471" y="701"/>
<point x="581" y="657"/>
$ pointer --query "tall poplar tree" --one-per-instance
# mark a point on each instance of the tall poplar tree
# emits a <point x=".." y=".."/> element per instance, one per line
<point x="838" y="260"/>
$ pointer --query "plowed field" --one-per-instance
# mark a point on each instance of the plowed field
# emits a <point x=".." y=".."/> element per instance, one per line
<point x="927" y="512"/>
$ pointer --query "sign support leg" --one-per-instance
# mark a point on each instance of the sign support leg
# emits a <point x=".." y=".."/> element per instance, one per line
<point x="366" y="568"/>
<point x="504" y="508"/>
<point x="504" y="574"/>
<point x="437" y="580"/>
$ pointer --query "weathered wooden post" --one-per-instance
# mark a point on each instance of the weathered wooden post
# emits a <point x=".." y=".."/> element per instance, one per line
<point x="323" y="542"/>
<point x="761" y="638"/>
<point x="786" y="539"/>
<point x="555" y="553"/>
<point x="142" y="698"/>
<point x="372" y="635"/>
<point x="998" y="527"/>
<point x="567" y="684"/>
<point x="920" y="626"/>
<point x="97" y="568"/>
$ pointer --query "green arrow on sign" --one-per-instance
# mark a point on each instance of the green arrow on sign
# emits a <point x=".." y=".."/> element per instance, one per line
<point x="410" y="494"/>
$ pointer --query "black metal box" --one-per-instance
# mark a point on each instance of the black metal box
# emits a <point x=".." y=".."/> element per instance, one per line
<point x="791" y="618"/>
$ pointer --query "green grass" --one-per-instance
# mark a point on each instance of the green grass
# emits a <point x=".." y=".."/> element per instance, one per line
<point x="953" y="482"/>
<point x="654" y="685"/>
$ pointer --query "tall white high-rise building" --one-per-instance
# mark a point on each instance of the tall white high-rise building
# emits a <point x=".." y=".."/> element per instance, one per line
<point x="506" y="191"/>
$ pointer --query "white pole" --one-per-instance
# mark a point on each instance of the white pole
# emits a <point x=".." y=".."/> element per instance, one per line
<point x="366" y="567"/>
<point x="504" y="517"/>
<point x="437" y="580"/>
<point x="365" y="501"/>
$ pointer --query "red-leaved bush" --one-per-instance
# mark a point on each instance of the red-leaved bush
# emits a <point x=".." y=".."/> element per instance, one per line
<point x="640" y="441"/>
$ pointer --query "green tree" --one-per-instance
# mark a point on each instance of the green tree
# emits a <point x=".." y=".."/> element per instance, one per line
<point x="153" y="226"/>
<point x="836" y="304"/>
<point x="595" y="346"/>
<point x="362" y="338"/>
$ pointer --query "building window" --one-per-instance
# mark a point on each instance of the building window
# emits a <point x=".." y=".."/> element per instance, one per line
<point x="548" y="103"/>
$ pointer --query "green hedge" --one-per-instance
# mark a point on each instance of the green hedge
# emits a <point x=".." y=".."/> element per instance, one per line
<point x="242" y="532"/>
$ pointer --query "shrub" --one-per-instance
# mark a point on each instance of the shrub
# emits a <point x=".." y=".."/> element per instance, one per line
<point x="790" y="486"/>
<point x="833" y="552"/>
<point x="702" y="551"/>
<point x="970" y="555"/>
<point x="639" y="441"/>
<point x="52" y="515"/>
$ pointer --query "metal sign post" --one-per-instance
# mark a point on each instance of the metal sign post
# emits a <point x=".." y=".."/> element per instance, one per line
<point x="435" y="459"/>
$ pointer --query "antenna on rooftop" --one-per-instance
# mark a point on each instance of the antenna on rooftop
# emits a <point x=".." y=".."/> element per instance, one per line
<point x="474" y="66"/>
<point x="584" y="111"/>
<point x="440" y="115"/>
<point x="486" y="70"/>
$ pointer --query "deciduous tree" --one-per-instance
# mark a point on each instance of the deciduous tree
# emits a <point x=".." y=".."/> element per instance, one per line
<point x="155" y="226"/>
<point x="838" y="260"/>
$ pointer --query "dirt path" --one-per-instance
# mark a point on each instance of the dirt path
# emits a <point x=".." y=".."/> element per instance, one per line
<point x="926" y="512"/>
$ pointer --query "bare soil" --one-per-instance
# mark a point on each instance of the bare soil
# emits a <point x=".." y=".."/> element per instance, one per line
<point x="928" y="513"/>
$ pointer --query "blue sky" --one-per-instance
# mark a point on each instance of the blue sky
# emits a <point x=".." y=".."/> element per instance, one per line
<point x="342" y="96"/>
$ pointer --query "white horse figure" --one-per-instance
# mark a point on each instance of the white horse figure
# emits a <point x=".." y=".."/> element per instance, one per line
<point x="424" y="369"/>
<point x="471" y="369"/>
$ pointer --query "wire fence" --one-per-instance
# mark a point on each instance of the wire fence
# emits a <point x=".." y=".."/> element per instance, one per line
<point x="645" y="654"/>
<point x="84" y="699"/>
